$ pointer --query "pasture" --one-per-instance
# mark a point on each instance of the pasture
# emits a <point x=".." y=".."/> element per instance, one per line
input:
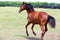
<point x="12" y="25"/>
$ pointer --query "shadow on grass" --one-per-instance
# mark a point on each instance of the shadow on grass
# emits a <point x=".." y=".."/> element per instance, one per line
<point x="29" y="38"/>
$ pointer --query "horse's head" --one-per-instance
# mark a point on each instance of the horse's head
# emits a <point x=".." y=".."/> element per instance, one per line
<point x="22" y="7"/>
<point x="26" y="6"/>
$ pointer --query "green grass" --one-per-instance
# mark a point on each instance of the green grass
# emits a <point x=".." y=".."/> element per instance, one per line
<point x="13" y="23"/>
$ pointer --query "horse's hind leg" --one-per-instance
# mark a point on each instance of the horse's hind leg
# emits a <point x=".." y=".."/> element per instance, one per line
<point x="46" y="27"/>
<point x="32" y="29"/>
<point x="26" y="28"/>
<point x="43" y="31"/>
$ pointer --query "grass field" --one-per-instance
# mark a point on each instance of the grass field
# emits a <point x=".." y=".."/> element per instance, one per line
<point x="12" y="25"/>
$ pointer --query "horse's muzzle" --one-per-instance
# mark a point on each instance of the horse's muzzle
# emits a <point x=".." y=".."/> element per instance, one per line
<point x="19" y="11"/>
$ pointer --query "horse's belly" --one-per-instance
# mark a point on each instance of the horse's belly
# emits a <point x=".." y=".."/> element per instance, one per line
<point x="35" y="21"/>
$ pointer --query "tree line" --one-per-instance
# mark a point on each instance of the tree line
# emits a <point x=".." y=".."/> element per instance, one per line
<point x="35" y="4"/>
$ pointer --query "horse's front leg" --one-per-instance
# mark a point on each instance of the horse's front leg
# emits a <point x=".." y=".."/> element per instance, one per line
<point x="32" y="29"/>
<point x="26" y="27"/>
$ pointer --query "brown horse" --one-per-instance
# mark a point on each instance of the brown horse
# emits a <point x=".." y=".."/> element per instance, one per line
<point x="41" y="18"/>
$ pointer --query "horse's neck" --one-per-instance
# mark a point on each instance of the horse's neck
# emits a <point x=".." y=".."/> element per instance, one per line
<point x="29" y="11"/>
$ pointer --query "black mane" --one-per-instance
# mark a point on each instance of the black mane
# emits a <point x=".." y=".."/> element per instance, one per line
<point x="30" y="7"/>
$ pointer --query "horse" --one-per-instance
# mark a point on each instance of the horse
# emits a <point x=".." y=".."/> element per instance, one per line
<point x="34" y="17"/>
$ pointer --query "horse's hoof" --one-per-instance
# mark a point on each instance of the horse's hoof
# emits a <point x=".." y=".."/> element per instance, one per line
<point x="27" y="34"/>
<point x="34" y="33"/>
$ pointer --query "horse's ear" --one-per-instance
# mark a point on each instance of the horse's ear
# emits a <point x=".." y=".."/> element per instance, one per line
<point x="24" y="3"/>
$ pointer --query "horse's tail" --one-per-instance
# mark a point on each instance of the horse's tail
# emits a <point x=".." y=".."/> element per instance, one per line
<point x="51" y="21"/>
